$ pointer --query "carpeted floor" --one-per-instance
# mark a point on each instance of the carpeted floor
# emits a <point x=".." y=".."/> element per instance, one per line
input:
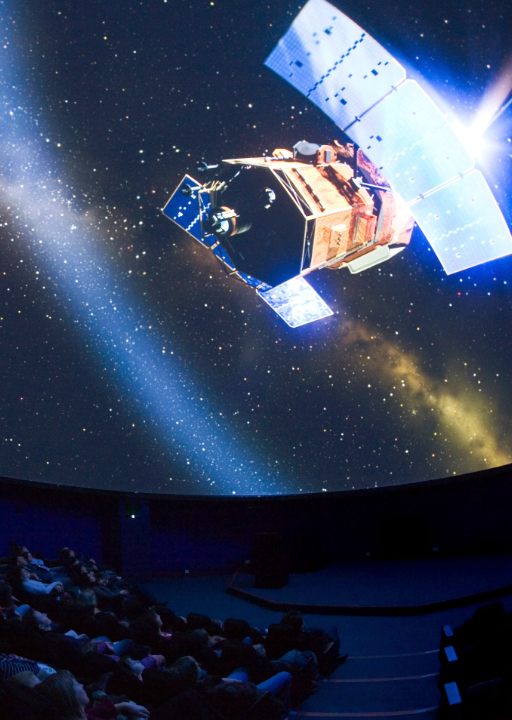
<point x="393" y="661"/>
<point x="392" y="582"/>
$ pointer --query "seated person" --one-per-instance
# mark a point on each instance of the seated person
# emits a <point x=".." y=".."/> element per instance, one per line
<point x="56" y="571"/>
<point x="235" y="694"/>
<point x="326" y="646"/>
<point x="36" y="572"/>
<point x="36" y="620"/>
<point x="72" y="701"/>
<point x="6" y="598"/>
<point x="21" y="576"/>
<point x="19" y="700"/>
<point x="151" y="618"/>
<point x="11" y="665"/>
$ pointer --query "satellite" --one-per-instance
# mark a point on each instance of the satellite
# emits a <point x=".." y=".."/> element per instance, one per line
<point x="272" y="220"/>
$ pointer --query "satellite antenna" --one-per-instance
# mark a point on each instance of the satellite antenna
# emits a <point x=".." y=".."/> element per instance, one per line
<point x="270" y="221"/>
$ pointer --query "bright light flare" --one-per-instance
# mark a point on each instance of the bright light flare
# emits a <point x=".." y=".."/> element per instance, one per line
<point x="493" y="105"/>
<point x="472" y="137"/>
<point x="494" y="100"/>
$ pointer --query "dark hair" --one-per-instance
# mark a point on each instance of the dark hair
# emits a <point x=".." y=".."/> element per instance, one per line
<point x="80" y="576"/>
<point x="13" y="576"/>
<point x="29" y="619"/>
<point x="293" y="618"/>
<point x="5" y="594"/>
<point x="198" y="620"/>
<point x="60" y="690"/>
<point x="201" y="635"/>
<point x="148" y="617"/>
<point x="132" y="608"/>
<point x="236" y="629"/>
<point x="14" y="551"/>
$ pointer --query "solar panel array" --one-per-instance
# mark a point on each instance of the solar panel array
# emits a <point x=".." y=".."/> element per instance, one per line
<point x="362" y="88"/>
<point x="464" y="224"/>
<point x="296" y="302"/>
<point x="183" y="209"/>
<point x="334" y="63"/>
<point x="407" y="135"/>
<point x="188" y="207"/>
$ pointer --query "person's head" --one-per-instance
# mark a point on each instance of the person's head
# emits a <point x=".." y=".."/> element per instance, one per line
<point x="235" y="629"/>
<point x="87" y="599"/>
<point x="17" y="574"/>
<point x="27" y="555"/>
<point x="201" y="635"/>
<point x="37" y="620"/>
<point x="132" y="608"/>
<point x="21" y="561"/>
<point x="293" y="618"/>
<point x="15" y="549"/>
<point x="152" y="618"/>
<point x="187" y="670"/>
<point x="5" y="594"/>
<point x="13" y="576"/>
<point x="217" y="627"/>
<point x="66" y="555"/>
<point x="81" y="576"/>
<point x="66" y="693"/>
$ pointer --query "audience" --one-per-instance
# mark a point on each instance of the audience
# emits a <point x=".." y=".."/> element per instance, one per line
<point x="66" y="623"/>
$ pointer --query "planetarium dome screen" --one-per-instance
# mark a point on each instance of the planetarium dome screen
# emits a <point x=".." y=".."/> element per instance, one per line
<point x="329" y="308"/>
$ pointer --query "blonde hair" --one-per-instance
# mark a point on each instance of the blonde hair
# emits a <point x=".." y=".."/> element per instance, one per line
<point x="186" y="669"/>
<point x="60" y="690"/>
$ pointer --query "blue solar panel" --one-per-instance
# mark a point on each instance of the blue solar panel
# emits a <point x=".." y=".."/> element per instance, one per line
<point x="334" y="63"/>
<point x="184" y="209"/>
<point x="253" y="281"/>
<point x="464" y="224"/>
<point x="296" y="302"/>
<point x="408" y="137"/>
<point x="222" y="255"/>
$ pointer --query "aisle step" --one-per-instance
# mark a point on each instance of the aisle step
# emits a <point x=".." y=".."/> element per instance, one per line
<point x="382" y="679"/>
<point x="377" y="695"/>
<point x="429" y="713"/>
<point x="388" y="667"/>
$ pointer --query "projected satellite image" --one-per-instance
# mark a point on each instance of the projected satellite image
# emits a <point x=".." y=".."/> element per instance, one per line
<point x="132" y="360"/>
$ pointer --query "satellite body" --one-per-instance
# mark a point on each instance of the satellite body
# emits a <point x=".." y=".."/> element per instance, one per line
<point x="280" y="216"/>
<point x="273" y="220"/>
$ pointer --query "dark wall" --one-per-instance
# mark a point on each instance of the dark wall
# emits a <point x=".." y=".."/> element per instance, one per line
<point x="45" y="520"/>
<point x="470" y="514"/>
<point x="467" y="514"/>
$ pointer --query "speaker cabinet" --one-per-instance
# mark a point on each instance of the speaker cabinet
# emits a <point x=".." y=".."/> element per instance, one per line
<point x="268" y="561"/>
